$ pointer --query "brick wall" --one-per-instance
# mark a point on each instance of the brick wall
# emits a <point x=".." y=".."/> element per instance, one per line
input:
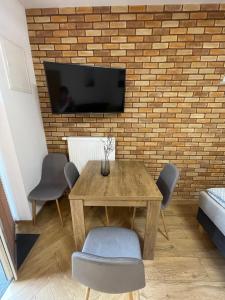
<point x="174" y="108"/>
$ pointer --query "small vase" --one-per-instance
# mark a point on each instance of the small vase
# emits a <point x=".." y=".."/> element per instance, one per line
<point x="105" y="167"/>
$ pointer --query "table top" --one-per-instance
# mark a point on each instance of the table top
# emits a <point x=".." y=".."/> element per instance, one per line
<point x="128" y="180"/>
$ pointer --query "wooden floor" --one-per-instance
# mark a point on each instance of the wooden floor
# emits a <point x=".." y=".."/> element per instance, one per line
<point x="186" y="267"/>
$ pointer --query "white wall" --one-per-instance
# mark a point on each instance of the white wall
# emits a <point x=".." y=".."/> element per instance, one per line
<point x="22" y="140"/>
<point x="72" y="3"/>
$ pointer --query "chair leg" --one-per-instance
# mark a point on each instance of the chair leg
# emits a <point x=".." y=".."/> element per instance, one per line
<point x="107" y="215"/>
<point x="87" y="294"/>
<point x="138" y="295"/>
<point x="164" y="224"/>
<point x="34" y="211"/>
<point x="200" y="228"/>
<point x="133" y="218"/>
<point x="58" y="208"/>
<point x="131" y="296"/>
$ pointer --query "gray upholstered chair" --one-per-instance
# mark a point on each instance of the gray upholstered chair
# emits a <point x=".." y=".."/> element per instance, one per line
<point x="166" y="183"/>
<point x="52" y="184"/>
<point x="110" y="262"/>
<point x="71" y="174"/>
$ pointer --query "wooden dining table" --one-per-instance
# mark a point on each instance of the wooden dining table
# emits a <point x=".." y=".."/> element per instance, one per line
<point x="128" y="184"/>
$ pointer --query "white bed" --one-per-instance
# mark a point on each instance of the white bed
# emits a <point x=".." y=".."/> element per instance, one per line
<point x="213" y="210"/>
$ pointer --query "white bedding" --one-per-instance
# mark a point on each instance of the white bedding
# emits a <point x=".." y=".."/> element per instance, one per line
<point x="213" y="210"/>
<point x="218" y="194"/>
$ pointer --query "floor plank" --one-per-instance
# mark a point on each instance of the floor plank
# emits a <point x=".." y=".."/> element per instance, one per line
<point x="188" y="266"/>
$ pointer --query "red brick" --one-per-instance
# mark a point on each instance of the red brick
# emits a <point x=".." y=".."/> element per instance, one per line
<point x="59" y="19"/>
<point x="173" y="8"/>
<point x="49" y="11"/>
<point x="173" y="98"/>
<point x="33" y="12"/>
<point x="209" y="7"/>
<point x="137" y="8"/>
<point x="67" y="10"/>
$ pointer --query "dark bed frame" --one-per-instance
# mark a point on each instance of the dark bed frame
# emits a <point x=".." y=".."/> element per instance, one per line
<point x="214" y="233"/>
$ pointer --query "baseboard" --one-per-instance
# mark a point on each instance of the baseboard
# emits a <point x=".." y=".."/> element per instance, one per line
<point x="184" y="202"/>
<point x="39" y="208"/>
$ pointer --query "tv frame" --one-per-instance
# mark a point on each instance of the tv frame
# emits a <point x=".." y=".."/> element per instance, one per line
<point x="85" y="112"/>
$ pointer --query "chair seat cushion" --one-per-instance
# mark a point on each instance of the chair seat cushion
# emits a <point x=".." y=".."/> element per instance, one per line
<point x="47" y="191"/>
<point x="112" y="242"/>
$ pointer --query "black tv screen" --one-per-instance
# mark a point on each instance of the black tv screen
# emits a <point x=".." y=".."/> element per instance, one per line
<point x="84" y="89"/>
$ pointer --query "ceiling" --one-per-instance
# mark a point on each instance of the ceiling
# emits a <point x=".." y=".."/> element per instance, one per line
<point x="74" y="3"/>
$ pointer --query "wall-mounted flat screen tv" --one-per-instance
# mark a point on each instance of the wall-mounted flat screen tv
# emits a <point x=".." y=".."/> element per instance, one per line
<point x="85" y="89"/>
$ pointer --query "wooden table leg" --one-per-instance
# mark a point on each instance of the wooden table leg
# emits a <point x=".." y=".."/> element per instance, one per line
<point x="77" y="212"/>
<point x="151" y="228"/>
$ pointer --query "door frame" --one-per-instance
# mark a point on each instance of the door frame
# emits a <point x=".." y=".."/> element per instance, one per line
<point x="5" y="257"/>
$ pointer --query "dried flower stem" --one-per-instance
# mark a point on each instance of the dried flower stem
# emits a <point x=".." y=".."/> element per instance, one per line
<point x="108" y="147"/>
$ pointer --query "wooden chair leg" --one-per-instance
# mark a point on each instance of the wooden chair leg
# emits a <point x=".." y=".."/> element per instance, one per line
<point x="138" y="295"/>
<point x="133" y="218"/>
<point x="34" y="211"/>
<point x="58" y="208"/>
<point x="200" y="228"/>
<point x="131" y="296"/>
<point x="87" y="294"/>
<point x="164" y="224"/>
<point x="107" y="215"/>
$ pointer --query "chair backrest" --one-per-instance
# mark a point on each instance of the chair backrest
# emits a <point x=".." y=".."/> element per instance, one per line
<point x="71" y="174"/>
<point x="167" y="181"/>
<point x="53" y="168"/>
<point x="108" y="275"/>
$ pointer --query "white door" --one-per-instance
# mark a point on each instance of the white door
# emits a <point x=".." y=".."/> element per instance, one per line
<point x="5" y="258"/>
